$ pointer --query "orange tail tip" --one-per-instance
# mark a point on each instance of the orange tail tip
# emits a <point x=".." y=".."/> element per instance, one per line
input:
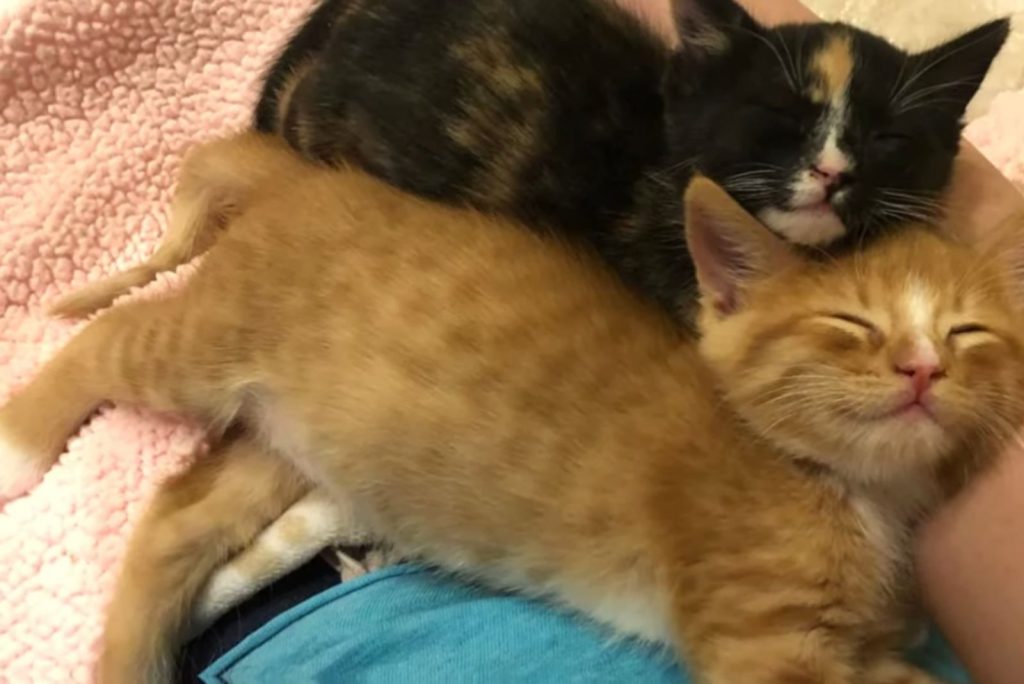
<point x="99" y="295"/>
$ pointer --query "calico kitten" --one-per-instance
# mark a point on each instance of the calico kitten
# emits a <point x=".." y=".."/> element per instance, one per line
<point x="572" y="115"/>
<point x="496" y="402"/>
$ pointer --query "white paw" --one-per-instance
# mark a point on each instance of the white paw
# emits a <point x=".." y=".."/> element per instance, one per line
<point x="348" y="567"/>
<point x="227" y="587"/>
<point x="19" y="472"/>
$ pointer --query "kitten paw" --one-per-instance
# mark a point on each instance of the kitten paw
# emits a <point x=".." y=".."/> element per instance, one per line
<point x="227" y="587"/>
<point x="19" y="471"/>
<point x="348" y="567"/>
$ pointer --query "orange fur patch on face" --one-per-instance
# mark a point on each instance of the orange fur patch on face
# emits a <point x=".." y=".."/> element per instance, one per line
<point x="831" y="68"/>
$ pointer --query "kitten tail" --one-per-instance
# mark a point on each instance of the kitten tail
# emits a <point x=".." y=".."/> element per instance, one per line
<point x="197" y="521"/>
<point x="215" y="182"/>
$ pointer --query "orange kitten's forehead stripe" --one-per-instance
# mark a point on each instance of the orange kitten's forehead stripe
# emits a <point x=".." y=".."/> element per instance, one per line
<point x="919" y="303"/>
<point x="919" y="285"/>
<point x="921" y="312"/>
<point x="831" y="69"/>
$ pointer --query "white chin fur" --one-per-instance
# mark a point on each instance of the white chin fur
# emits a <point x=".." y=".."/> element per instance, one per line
<point x="804" y="228"/>
<point x="19" y="472"/>
<point x="894" y="450"/>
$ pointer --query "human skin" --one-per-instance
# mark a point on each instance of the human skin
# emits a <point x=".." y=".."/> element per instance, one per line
<point x="970" y="556"/>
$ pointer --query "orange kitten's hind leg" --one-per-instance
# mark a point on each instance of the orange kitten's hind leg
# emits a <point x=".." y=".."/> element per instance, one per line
<point x="215" y="182"/>
<point x="36" y="422"/>
<point x="197" y="521"/>
<point x="759" y="627"/>
<point x="29" y="442"/>
<point x="798" y="658"/>
<point x="131" y="354"/>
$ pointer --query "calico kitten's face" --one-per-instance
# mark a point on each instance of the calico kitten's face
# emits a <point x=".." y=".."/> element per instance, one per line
<point x="823" y="131"/>
<point x="873" y="364"/>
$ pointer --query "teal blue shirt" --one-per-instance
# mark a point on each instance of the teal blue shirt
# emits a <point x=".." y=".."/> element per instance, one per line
<point x="407" y="624"/>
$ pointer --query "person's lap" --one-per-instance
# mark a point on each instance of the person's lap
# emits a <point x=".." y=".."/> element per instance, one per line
<point x="411" y="624"/>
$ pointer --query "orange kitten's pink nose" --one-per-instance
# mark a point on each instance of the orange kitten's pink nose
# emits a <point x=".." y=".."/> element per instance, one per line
<point x="923" y="372"/>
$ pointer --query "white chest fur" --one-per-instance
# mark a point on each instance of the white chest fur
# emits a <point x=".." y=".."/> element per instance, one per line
<point x="887" y="515"/>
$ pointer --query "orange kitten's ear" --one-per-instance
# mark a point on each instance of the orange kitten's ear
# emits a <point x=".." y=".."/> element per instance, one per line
<point x="730" y="248"/>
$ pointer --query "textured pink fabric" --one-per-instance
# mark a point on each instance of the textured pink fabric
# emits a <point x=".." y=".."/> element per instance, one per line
<point x="98" y="101"/>
<point x="1000" y="135"/>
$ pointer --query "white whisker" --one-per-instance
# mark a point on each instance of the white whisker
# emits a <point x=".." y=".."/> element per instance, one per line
<point x="941" y="58"/>
<point x="790" y="79"/>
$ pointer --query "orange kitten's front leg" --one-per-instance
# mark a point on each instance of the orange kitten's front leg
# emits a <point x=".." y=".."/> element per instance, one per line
<point x="750" y="651"/>
<point x="754" y="623"/>
<point x="806" y="657"/>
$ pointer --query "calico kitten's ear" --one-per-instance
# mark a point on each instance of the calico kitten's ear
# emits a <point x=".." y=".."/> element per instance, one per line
<point x="730" y="249"/>
<point x="705" y="27"/>
<point x="948" y="76"/>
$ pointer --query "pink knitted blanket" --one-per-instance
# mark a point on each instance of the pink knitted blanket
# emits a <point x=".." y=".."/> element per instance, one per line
<point x="98" y="101"/>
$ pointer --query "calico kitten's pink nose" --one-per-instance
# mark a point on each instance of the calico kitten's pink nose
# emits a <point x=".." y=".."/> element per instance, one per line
<point x="830" y="174"/>
<point x="922" y="373"/>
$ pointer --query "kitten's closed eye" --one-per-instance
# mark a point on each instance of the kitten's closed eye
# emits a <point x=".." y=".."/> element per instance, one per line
<point x="967" y="329"/>
<point x="853" y="330"/>
<point x="791" y="112"/>
<point x="782" y="119"/>
<point x="968" y="334"/>
<point x="779" y="110"/>
<point x="852" y="322"/>
<point x="890" y="141"/>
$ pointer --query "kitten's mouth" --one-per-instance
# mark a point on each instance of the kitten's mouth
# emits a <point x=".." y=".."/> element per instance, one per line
<point x="914" y="410"/>
<point x="905" y="409"/>
<point x="920" y="408"/>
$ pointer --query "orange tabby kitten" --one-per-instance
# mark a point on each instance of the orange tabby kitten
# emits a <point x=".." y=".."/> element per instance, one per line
<point x="497" y="403"/>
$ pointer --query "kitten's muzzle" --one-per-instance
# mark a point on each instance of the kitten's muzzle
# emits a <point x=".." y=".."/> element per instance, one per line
<point x="832" y="179"/>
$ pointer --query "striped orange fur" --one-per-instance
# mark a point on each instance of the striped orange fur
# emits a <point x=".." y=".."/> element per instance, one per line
<point x="497" y="403"/>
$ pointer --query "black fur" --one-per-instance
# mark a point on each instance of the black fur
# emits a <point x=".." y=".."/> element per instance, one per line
<point x="573" y="116"/>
